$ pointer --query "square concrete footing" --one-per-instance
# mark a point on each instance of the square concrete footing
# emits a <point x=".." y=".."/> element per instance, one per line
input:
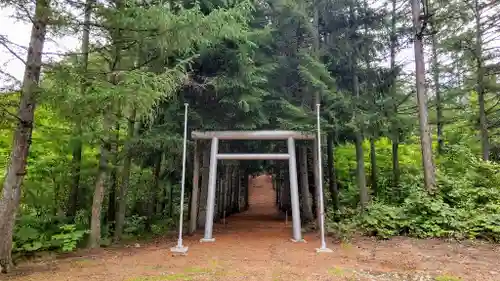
<point x="211" y="240"/>
<point x="179" y="250"/>
<point x="324" y="250"/>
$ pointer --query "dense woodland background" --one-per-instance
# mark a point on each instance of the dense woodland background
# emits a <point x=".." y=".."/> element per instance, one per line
<point x="105" y="140"/>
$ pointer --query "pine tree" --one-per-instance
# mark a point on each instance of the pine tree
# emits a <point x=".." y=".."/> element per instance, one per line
<point x="16" y="168"/>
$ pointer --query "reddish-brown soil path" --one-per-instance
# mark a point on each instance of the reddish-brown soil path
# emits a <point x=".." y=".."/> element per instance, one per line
<point x="256" y="245"/>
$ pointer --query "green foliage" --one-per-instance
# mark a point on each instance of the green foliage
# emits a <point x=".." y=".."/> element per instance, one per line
<point x="409" y="162"/>
<point x="69" y="237"/>
<point x="161" y="227"/>
<point x="465" y="205"/>
<point x="245" y="65"/>
<point x="135" y="225"/>
<point x="41" y="233"/>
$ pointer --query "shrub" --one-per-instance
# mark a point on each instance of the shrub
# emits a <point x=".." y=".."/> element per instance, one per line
<point x="135" y="225"/>
<point x="466" y="204"/>
<point x="40" y="233"/>
<point x="160" y="227"/>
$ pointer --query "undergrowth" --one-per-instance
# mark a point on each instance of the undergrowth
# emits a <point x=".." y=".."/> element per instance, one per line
<point x="465" y="204"/>
<point x="36" y="232"/>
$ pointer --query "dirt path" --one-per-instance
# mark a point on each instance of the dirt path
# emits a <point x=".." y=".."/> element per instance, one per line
<point x="256" y="246"/>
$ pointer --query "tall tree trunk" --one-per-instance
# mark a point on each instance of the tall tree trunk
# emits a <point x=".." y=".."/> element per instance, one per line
<point x="371" y="92"/>
<point x="332" y="174"/>
<point x="225" y="191"/>
<point x="76" y="160"/>
<point x="238" y="192"/>
<point x="425" y="137"/>
<point x="439" y="107"/>
<point x="358" y="133"/>
<point x="480" y="87"/>
<point x="373" y="164"/>
<point x="304" y="186"/>
<point x="394" y="124"/>
<point x="95" y="223"/>
<point x="219" y="195"/>
<point x="76" y="169"/>
<point x="236" y="189"/>
<point x="122" y="193"/>
<point x="227" y="203"/>
<point x="153" y="192"/>
<point x="360" y="170"/>
<point x="395" y="159"/>
<point x="195" y="193"/>
<point x="360" y="158"/>
<point x="437" y="89"/>
<point x="16" y="168"/>
<point x="115" y="66"/>
<point x="168" y="195"/>
<point x="245" y="189"/>
<point x="162" y="191"/>
<point x="231" y="190"/>
<point x="110" y="218"/>
<point x="316" y="100"/>
<point x="171" y="199"/>
<point x="202" y="210"/>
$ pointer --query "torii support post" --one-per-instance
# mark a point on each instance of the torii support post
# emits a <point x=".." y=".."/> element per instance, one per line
<point x="304" y="185"/>
<point x="294" y="191"/>
<point x="212" y="177"/>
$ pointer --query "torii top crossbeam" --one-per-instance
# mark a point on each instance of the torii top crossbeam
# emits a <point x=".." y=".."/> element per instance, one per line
<point x="252" y="135"/>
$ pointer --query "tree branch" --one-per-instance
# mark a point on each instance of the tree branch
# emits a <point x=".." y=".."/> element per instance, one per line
<point x="4" y="42"/>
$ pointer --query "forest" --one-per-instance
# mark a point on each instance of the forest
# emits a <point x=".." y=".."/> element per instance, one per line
<point x="91" y="143"/>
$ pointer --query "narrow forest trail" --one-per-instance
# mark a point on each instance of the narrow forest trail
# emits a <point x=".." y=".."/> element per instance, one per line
<point x="256" y="245"/>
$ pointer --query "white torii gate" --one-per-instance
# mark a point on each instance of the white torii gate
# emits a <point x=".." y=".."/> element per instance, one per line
<point x="215" y="136"/>
<point x="290" y="136"/>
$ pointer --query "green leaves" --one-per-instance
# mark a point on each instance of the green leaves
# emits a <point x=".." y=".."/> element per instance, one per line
<point x="26" y="233"/>
<point x="69" y="237"/>
<point x="466" y="205"/>
<point x="316" y="74"/>
<point x="39" y="234"/>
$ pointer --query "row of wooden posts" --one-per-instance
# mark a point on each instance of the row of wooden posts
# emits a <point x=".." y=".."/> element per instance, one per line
<point x="231" y="188"/>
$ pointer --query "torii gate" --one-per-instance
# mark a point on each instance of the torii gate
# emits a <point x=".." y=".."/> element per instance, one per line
<point x="289" y="136"/>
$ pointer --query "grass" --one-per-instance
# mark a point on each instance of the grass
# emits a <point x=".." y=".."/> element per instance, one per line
<point x="214" y="270"/>
<point x="177" y="277"/>
<point x="189" y="274"/>
<point x="196" y="270"/>
<point x="447" y="278"/>
<point x="84" y="262"/>
<point x="336" y="271"/>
